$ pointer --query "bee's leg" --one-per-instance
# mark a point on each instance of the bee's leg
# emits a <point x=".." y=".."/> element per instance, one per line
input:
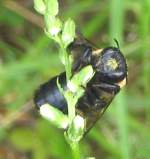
<point x="86" y="58"/>
<point x="108" y="87"/>
<point x="87" y="101"/>
<point x="93" y="99"/>
<point x="88" y="96"/>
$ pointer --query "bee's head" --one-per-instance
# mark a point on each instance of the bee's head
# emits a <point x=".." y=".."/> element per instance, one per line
<point x="111" y="66"/>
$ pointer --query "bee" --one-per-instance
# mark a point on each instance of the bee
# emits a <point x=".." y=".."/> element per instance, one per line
<point x="110" y="76"/>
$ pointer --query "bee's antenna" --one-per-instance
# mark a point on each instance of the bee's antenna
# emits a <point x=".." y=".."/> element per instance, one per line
<point x="117" y="43"/>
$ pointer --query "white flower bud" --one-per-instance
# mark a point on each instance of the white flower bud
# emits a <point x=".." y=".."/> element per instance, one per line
<point x="54" y="116"/>
<point x="76" y="129"/>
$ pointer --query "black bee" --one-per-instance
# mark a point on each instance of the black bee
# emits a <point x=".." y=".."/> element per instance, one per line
<point x="110" y="76"/>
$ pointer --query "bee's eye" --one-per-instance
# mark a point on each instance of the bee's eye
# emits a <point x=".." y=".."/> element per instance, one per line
<point x="111" y="65"/>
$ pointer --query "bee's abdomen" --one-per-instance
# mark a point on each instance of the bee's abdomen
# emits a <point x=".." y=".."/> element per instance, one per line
<point x="49" y="93"/>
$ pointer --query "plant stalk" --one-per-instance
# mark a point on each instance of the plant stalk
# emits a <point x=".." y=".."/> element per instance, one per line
<point x="75" y="150"/>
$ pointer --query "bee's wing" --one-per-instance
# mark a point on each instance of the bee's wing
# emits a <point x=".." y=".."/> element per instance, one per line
<point x="91" y="121"/>
<point x="81" y="40"/>
<point x="104" y="95"/>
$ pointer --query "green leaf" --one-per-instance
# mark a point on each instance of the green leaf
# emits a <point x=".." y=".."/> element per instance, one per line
<point x="68" y="33"/>
<point x="39" y="6"/>
<point x="52" y="7"/>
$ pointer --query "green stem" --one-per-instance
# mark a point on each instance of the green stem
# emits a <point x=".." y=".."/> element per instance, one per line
<point x="67" y="62"/>
<point x="75" y="150"/>
<point x="71" y="104"/>
<point x="71" y="101"/>
<point x="67" y="66"/>
<point x="71" y="110"/>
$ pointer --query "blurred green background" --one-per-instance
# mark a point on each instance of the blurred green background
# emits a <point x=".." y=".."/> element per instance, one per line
<point x="28" y="58"/>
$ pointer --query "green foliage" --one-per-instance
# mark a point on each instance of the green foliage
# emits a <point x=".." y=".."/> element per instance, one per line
<point x="40" y="141"/>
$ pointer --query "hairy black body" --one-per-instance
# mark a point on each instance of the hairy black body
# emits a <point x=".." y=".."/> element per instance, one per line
<point x="110" y="70"/>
